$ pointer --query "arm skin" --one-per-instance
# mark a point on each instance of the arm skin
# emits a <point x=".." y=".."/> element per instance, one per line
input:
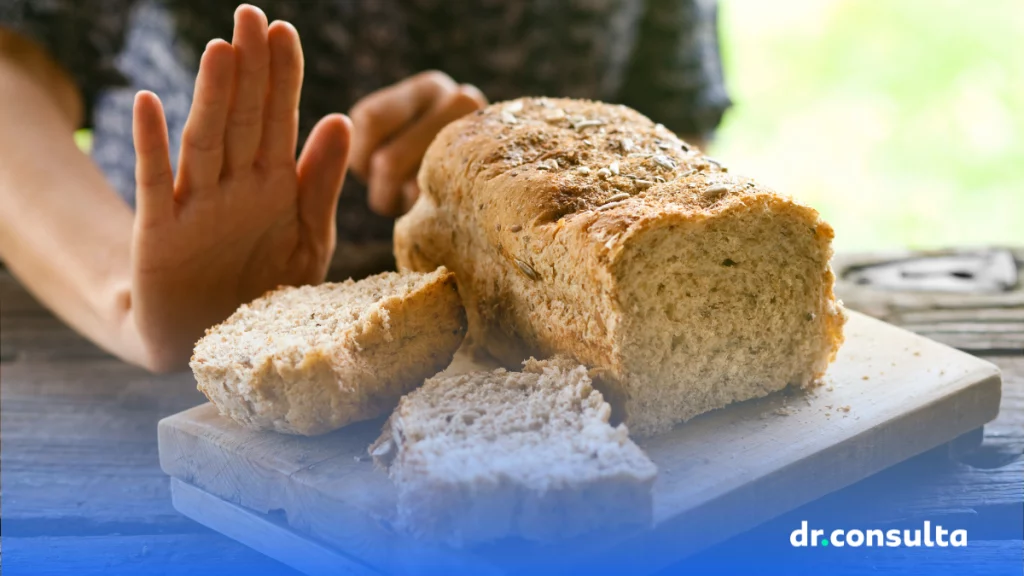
<point x="243" y="216"/>
<point x="63" y="231"/>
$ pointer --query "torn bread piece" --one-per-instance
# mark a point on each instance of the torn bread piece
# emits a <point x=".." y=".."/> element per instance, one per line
<point x="312" y="359"/>
<point x="488" y="455"/>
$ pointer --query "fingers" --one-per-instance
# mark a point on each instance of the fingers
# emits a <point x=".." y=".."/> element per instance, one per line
<point x="202" y="141"/>
<point x="377" y="117"/>
<point x="397" y="162"/>
<point x="281" y="124"/>
<point x="321" y="172"/>
<point x="252" y="53"/>
<point x="154" y="181"/>
<point x="410" y="192"/>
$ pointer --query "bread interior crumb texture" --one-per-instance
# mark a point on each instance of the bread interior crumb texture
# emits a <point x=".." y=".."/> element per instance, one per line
<point x="723" y="309"/>
<point x="529" y="454"/>
<point x="310" y="359"/>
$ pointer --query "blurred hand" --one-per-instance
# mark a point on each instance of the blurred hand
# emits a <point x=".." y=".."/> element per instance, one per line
<point x="393" y="127"/>
<point x="243" y="216"/>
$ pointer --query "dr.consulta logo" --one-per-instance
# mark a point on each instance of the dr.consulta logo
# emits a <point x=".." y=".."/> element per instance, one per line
<point x="893" y="538"/>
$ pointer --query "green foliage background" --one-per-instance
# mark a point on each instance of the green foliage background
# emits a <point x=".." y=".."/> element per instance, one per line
<point x="902" y="121"/>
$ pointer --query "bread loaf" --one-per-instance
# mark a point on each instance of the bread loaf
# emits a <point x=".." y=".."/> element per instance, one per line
<point x="584" y="228"/>
<point x="489" y="455"/>
<point x="312" y="359"/>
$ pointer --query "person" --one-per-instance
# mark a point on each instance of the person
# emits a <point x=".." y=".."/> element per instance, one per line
<point x="194" y="200"/>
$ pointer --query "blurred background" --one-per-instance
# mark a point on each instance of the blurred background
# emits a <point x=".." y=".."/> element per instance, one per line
<point x="901" y="121"/>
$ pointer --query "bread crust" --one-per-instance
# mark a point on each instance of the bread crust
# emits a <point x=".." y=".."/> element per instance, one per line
<point x="359" y="374"/>
<point x="536" y="203"/>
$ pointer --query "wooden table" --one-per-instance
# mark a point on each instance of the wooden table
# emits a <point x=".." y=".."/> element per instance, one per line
<point x="82" y="488"/>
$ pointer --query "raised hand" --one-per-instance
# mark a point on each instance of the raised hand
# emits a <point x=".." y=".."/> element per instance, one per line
<point x="393" y="128"/>
<point x="242" y="216"/>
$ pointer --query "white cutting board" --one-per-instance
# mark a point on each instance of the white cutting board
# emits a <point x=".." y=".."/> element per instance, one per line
<point x="320" y="506"/>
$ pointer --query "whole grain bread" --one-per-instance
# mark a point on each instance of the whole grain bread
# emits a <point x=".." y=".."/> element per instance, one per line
<point x="312" y="359"/>
<point x="488" y="455"/>
<point x="584" y="228"/>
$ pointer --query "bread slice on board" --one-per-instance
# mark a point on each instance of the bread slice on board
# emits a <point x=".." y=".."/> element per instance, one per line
<point x="488" y="455"/>
<point x="312" y="359"/>
<point x="586" y="229"/>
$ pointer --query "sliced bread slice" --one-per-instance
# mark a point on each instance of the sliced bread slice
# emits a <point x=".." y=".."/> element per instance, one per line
<point x="312" y="359"/>
<point x="487" y="455"/>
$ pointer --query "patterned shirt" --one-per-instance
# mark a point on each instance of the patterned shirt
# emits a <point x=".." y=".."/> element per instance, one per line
<point x="658" y="56"/>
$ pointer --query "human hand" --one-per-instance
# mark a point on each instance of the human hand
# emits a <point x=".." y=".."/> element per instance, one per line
<point x="392" y="129"/>
<point x="242" y="216"/>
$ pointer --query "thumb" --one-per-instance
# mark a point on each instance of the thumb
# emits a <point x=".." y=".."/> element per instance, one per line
<point x="321" y="172"/>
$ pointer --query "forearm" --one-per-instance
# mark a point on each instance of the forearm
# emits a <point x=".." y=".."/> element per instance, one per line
<point x="63" y="231"/>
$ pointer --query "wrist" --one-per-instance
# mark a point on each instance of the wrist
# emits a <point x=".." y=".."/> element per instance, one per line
<point x="136" y="342"/>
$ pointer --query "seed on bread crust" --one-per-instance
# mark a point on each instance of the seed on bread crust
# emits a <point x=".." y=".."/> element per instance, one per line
<point x="527" y="269"/>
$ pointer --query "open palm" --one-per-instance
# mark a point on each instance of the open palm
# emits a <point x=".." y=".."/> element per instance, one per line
<point x="242" y="216"/>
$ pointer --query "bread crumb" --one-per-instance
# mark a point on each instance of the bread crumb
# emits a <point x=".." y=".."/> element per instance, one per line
<point x="865" y="378"/>
<point x="917" y="353"/>
<point x="783" y="411"/>
<point x="844" y="408"/>
<point x="815" y="384"/>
